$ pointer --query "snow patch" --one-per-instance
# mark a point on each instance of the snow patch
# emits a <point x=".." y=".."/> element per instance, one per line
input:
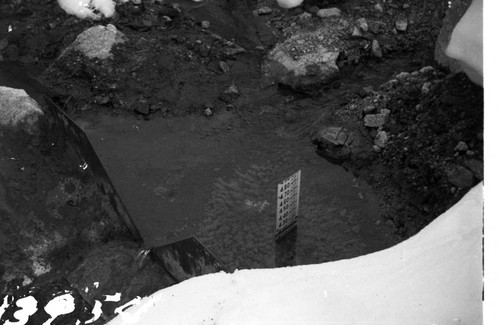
<point x="4" y="305"/>
<point x="96" y="312"/>
<point x="114" y="298"/>
<point x="92" y="9"/>
<point x="27" y="307"/>
<point x="60" y="305"/>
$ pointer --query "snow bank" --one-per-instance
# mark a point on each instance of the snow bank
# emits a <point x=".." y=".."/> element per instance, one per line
<point x="434" y="277"/>
<point x="88" y="8"/>
<point x="466" y="43"/>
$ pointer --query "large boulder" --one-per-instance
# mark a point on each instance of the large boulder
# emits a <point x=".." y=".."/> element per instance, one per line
<point x="304" y="61"/>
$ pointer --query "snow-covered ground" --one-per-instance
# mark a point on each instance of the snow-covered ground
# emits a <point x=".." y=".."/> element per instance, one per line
<point x="434" y="277"/>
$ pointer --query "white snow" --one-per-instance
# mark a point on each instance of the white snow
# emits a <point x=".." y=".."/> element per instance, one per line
<point x="115" y="298"/>
<point x="132" y="302"/>
<point x="88" y="8"/>
<point x="96" y="312"/>
<point x="466" y="43"/>
<point x="288" y="4"/>
<point x="4" y="305"/>
<point x="434" y="277"/>
<point x="60" y="305"/>
<point x="28" y="306"/>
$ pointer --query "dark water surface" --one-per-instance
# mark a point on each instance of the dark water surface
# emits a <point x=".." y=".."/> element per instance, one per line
<point x="216" y="178"/>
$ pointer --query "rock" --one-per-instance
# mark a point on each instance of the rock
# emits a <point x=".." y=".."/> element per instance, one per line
<point x="3" y="43"/>
<point x="141" y="107"/>
<point x="426" y="87"/>
<point x="102" y="99"/>
<point x="362" y="24"/>
<point x="224" y="67"/>
<point x="262" y="11"/>
<point x="477" y="168"/>
<point x="26" y="113"/>
<point x="230" y="94"/>
<point x="375" y="120"/>
<point x="136" y="2"/>
<point x="96" y="42"/>
<point x="377" y="27"/>
<point x="335" y="142"/>
<point x="461" y="146"/>
<point x="470" y="153"/>
<point x="376" y="49"/>
<point x="385" y="111"/>
<point x="379" y="7"/>
<point x="329" y="12"/>
<point x="205" y="24"/>
<point x="401" y="25"/>
<point x="313" y="9"/>
<point x="304" y="16"/>
<point x="403" y="75"/>
<point x="160" y="191"/>
<point x="356" y="32"/>
<point x="461" y="177"/>
<point x="302" y="62"/>
<point x="381" y="139"/>
<point x="208" y="112"/>
<point x="340" y="144"/>
<point x="426" y="69"/>
<point x="369" y="109"/>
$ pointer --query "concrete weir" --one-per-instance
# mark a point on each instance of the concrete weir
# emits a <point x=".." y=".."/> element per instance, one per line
<point x="55" y="195"/>
<point x="63" y="224"/>
<point x="64" y="227"/>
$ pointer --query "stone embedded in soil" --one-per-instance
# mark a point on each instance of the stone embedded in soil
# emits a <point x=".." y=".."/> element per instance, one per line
<point x="461" y="177"/>
<point x="369" y="109"/>
<point x="401" y="25"/>
<point x="362" y="24"/>
<point x="96" y="42"/>
<point x="461" y="146"/>
<point x="381" y="139"/>
<point x="224" y="67"/>
<point x="329" y="12"/>
<point x="230" y="94"/>
<point x="375" y="120"/>
<point x="379" y="7"/>
<point x="341" y="144"/>
<point x="26" y="113"/>
<point x="335" y="141"/>
<point x="142" y="107"/>
<point x="265" y="10"/>
<point x="356" y="32"/>
<point x="205" y="24"/>
<point x="476" y="166"/>
<point x="376" y="49"/>
<point x="4" y="42"/>
<point x="208" y="112"/>
<point x="403" y="75"/>
<point x="426" y="87"/>
<point x="303" y="62"/>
